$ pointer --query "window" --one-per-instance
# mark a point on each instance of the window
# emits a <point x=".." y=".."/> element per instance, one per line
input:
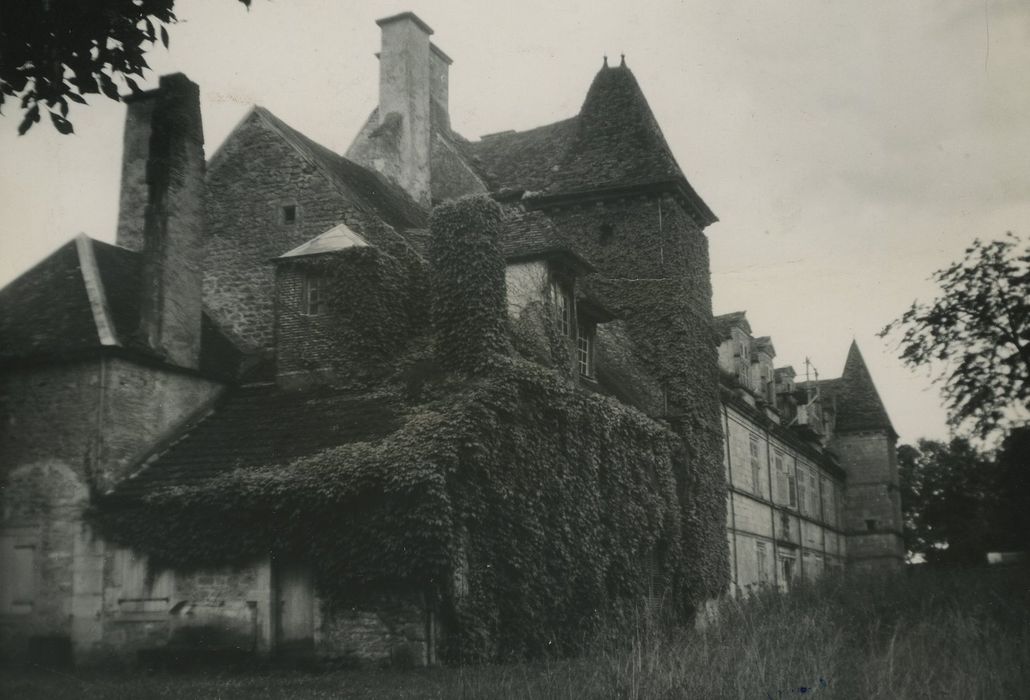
<point x="761" y="562"/>
<point x="756" y="467"/>
<point x="785" y="481"/>
<point x="803" y="494"/>
<point x="563" y="308"/>
<point x="792" y="488"/>
<point x="288" y="214"/>
<point x="17" y="573"/>
<point x="585" y="351"/>
<point x="312" y="302"/>
<point x="813" y="495"/>
<point x="787" y="569"/>
<point x="870" y="525"/>
<point x="744" y="368"/>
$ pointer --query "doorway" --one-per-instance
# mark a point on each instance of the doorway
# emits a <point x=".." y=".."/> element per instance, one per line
<point x="294" y="601"/>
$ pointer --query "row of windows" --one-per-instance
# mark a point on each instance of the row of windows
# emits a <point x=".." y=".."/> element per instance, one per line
<point x="797" y="488"/>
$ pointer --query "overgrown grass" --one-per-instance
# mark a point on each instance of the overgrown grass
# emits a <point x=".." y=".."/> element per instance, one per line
<point x="921" y="634"/>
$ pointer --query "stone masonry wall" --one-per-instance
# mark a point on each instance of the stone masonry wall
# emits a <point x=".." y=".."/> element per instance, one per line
<point x="251" y="179"/>
<point x="140" y="406"/>
<point x="872" y="512"/>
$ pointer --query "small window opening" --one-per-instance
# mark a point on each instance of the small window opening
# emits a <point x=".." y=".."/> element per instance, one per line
<point x="585" y="352"/>
<point x="870" y="525"/>
<point x="563" y="307"/>
<point x="607" y="231"/>
<point x="312" y="301"/>
<point x="289" y="214"/>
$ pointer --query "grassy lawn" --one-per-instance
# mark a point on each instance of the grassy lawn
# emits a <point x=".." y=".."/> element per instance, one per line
<point x="921" y="635"/>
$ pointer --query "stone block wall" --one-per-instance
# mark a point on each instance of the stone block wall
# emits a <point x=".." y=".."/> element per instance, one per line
<point x="387" y="629"/>
<point x="250" y="180"/>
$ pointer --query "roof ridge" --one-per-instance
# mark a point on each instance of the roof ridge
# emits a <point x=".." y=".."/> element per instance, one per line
<point x="95" y="290"/>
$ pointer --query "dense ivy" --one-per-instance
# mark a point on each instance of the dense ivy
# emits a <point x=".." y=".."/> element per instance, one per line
<point x="467" y="276"/>
<point x="546" y="499"/>
<point x="530" y="509"/>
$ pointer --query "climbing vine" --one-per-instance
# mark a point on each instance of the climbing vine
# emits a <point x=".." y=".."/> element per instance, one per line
<point x="530" y="509"/>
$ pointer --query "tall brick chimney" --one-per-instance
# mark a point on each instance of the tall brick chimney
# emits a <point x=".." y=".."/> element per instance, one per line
<point x="162" y="213"/>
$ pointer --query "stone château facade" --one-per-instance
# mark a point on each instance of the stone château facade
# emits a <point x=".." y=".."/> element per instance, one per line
<point x="270" y="311"/>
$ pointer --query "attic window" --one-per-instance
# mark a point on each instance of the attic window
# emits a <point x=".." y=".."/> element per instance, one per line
<point x="288" y="214"/>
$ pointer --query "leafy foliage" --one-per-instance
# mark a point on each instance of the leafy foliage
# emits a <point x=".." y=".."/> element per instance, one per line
<point x="55" y="52"/>
<point x="958" y="502"/>
<point x="467" y="275"/>
<point x="976" y="335"/>
<point x="547" y="499"/>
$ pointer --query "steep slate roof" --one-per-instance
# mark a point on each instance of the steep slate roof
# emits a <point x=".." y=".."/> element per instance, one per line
<point x="357" y="184"/>
<point x="256" y="426"/>
<point x="857" y="403"/>
<point x="47" y="312"/>
<point x="614" y="142"/>
<point x="47" y="309"/>
<point x="522" y="160"/>
<point x="859" y="406"/>
<point x="531" y="234"/>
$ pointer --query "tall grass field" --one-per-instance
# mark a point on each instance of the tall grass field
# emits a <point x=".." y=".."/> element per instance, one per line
<point x="918" y="634"/>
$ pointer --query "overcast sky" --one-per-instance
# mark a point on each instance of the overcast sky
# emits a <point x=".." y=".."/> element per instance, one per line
<point x="849" y="149"/>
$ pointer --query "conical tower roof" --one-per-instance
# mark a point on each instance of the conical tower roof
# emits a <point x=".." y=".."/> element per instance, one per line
<point x="618" y="142"/>
<point x="858" y="404"/>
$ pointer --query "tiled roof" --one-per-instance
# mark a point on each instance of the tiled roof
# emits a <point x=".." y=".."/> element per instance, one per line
<point x="46" y="313"/>
<point x="531" y="234"/>
<point x="47" y="310"/>
<point x="522" y="160"/>
<point x="264" y="426"/>
<point x="724" y="322"/>
<point x="859" y="406"/>
<point x="361" y="186"/>
<point x="614" y="142"/>
<point x="854" y="397"/>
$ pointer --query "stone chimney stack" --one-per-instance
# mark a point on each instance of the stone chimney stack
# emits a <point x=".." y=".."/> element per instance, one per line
<point x="162" y="214"/>
<point x="439" y="69"/>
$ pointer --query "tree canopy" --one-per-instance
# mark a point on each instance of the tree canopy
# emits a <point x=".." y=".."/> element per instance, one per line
<point x="959" y="502"/>
<point x="975" y="336"/>
<point x="53" y="53"/>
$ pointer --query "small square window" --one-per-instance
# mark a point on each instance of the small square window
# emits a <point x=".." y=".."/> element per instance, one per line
<point x="288" y="214"/>
<point x="870" y="525"/>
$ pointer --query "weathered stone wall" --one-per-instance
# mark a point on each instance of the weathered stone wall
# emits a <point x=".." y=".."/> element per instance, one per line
<point x="389" y="629"/>
<point x="807" y="532"/>
<point x="141" y="406"/>
<point x="254" y="175"/>
<point x="872" y="511"/>
<point x="64" y="431"/>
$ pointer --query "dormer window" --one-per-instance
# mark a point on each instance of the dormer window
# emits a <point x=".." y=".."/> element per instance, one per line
<point x="312" y="301"/>
<point x="585" y="351"/>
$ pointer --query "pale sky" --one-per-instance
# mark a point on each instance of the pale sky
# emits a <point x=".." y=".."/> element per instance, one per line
<point x="849" y="149"/>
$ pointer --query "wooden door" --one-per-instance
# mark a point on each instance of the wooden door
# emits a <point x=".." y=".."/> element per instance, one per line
<point x="295" y="607"/>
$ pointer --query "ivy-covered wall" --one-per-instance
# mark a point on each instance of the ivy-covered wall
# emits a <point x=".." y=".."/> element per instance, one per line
<point x="527" y="511"/>
<point x="371" y="306"/>
<point x="653" y="270"/>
